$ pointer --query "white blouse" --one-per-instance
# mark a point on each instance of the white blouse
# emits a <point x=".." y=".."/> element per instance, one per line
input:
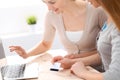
<point x="74" y="36"/>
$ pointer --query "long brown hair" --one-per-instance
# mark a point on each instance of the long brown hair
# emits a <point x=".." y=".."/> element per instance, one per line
<point x="113" y="8"/>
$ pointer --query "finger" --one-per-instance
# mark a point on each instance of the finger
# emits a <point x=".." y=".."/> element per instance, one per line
<point x="66" y="56"/>
<point x="54" y="60"/>
<point x="64" y="64"/>
<point x="11" y="50"/>
<point x="57" y="58"/>
<point x="71" y="57"/>
<point x="71" y="71"/>
<point x="11" y="46"/>
<point x="15" y="47"/>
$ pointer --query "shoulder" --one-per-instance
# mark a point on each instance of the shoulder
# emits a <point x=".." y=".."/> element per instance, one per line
<point x="115" y="30"/>
<point x="93" y="10"/>
<point x="97" y="14"/>
<point x="52" y="15"/>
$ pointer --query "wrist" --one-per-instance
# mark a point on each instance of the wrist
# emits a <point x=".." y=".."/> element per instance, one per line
<point x="83" y="74"/>
<point x="74" y="61"/>
<point x="25" y="56"/>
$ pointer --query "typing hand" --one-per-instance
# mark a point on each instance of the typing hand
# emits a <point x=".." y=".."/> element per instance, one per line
<point x="19" y="50"/>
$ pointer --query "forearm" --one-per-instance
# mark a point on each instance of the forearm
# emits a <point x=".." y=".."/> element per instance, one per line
<point x="90" y="60"/>
<point x="82" y="54"/>
<point x="85" y="54"/>
<point x="40" y="48"/>
<point x="91" y="76"/>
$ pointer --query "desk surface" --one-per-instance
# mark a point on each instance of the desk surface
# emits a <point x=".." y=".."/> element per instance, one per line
<point x="45" y="73"/>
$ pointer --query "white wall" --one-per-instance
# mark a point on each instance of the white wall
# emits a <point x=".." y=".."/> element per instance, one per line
<point x="13" y="19"/>
<point x="25" y="40"/>
<point x="15" y="31"/>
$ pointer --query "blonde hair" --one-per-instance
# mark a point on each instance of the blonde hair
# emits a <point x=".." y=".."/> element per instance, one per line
<point x="113" y="8"/>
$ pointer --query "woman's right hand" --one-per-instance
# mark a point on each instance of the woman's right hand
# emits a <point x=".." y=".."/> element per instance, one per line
<point x="19" y="50"/>
<point x="56" y="59"/>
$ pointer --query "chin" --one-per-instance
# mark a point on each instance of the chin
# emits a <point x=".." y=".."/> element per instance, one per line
<point x="97" y="5"/>
<point x="57" y="12"/>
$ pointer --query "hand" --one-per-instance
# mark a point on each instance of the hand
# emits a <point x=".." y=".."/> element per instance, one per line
<point x="79" y="69"/>
<point x="66" y="63"/>
<point x="19" y="50"/>
<point x="56" y="59"/>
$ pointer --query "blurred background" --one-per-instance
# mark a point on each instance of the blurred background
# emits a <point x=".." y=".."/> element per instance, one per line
<point x="14" y="29"/>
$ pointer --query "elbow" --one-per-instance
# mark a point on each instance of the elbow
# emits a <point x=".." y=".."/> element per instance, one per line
<point x="47" y="45"/>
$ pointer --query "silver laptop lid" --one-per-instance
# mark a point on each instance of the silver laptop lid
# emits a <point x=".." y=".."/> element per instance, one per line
<point x="1" y="75"/>
<point x="2" y="53"/>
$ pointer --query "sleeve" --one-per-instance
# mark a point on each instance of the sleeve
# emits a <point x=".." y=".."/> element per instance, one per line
<point x="49" y="29"/>
<point x="102" y="17"/>
<point x="113" y="73"/>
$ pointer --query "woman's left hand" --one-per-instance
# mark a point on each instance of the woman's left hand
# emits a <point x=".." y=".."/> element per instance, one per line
<point x="79" y="69"/>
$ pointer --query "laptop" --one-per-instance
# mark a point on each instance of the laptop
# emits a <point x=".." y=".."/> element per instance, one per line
<point x="19" y="71"/>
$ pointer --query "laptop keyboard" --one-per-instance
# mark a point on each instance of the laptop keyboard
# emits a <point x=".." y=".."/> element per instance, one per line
<point x="13" y="71"/>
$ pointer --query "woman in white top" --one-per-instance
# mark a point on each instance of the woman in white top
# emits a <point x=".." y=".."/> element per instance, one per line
<point x="72" y="16"/>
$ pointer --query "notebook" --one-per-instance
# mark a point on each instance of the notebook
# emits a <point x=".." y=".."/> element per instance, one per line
<point x="19" y="71"/>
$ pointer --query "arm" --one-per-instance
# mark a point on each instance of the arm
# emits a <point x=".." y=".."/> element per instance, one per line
<point x="81" y="71"/>
<point x="44" y="45"/>
<point x="93" y="60"/>
<point x="81" y="55"/>
<point x="113" y="72"/>
<point x="90" y="60"/>
<point x="39" y="48"/>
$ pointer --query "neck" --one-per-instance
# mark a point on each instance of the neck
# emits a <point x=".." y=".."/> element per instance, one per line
<point x="74" y="8"/>
<point x="109" y="20"/>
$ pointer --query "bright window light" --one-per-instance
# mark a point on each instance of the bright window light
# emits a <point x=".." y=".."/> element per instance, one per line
<point x="18" y="3"/>
<point x="13" y="15"/>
